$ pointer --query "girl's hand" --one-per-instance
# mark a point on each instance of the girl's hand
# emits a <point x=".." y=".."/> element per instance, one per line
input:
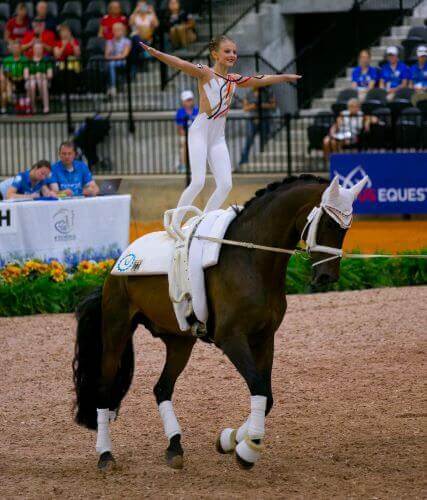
<point x="146" y="47"/>
<point x="292" y="78"/>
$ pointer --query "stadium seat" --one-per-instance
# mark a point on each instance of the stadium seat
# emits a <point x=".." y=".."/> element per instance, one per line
<point x="409" y="128"/>
<point x="319" y="129"/>
<point x="417" y="35"/>
<point x="30" y="9"/>
<point x="375" y="98"/>
<point x="95" y="75"/>
<point x="95" y="47"/>
<point x="379" y="135"/>
<point x="343" y="97"/>
<point x="126" y="7"/>
<point x="92" y="28"/>
<point x="95" y="8"/>
<point x="3" y="48"/>
<point x="422" y="106"/>
<point x="401" y="101"/>
<point x="71" y="9"/>
<point x="2" y="29"/>
<point x="4" y="11"/>
<point x="52" y="8"/>
<point x="75" y="26"/>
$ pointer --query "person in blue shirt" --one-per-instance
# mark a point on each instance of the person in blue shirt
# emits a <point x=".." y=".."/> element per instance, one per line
<point x="32" y="183"/>
<point x="184" y="117"/>
<point x="394" y="73"/>
<point x="71" y="177"/>
<point x="364" y="76"/>
<point x="418" y="76"/>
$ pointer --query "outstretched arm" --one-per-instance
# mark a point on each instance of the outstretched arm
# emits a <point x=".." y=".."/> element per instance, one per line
<point x="263" y="80"/>
<point x="176" y="62"/>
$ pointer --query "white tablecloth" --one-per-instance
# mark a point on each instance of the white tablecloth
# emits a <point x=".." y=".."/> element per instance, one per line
<point x="68" y="230"/>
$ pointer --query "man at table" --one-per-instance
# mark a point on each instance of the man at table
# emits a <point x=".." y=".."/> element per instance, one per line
<point x="71" y="177"/>
<point x="32" y="183"/>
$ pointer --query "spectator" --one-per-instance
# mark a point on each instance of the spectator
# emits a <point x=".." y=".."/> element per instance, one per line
<point x="67" y="52"/>
<point x="70" y="176"/>
<point x="180" y="25"/>
<point x="116" y="52"/>
<point x="250" y="105"/>
<point x="18" y="25"/>
<point x="38" y="33"/>
<point x="42" y="13"/>
<point x="13" y="74"/>
<point x="41" y="73"/>
<point x="67" y="46"/>
<point x="364" y="76"/>
<point x="347" y="129"/>
<point x="143" y="22"/>
<point x="394" y="73"/>
<point x="113" y="17"/>
<point x="418" y="72"/>
<point x="184" y="117"/>
<point x="32" y="183"/>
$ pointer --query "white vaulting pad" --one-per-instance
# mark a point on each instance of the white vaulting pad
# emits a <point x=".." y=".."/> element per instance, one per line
<point x="152" y="253"/>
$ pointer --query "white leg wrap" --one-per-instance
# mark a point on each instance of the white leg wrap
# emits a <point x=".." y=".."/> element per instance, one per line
<point x="228" y="440"/>
<point x="170" y="423"/>
<point x="103" y="441"/>
<point x="242" y="431"/>
<point x="256" y="428"/>
<point x="248" y="450"/>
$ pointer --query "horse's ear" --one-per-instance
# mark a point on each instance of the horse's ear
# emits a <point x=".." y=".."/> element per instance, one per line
<point x="334" y="187"/>
<point x="357" y="188"/>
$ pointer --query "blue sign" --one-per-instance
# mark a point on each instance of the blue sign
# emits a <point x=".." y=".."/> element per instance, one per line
<point x="397" y="181"/>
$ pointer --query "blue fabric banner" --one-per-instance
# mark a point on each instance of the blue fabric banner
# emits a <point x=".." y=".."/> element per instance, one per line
<point x="397" y="181"/>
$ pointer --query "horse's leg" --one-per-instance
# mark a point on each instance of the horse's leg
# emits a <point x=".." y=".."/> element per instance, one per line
<point x="117" y="333"/>
<point x="178" y="351"/>
<point x="255" y="367"/>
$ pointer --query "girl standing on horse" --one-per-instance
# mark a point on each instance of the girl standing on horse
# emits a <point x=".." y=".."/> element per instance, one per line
<point x="206" y="138"/>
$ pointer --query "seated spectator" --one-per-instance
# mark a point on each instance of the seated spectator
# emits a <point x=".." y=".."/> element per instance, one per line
<point x="394" y="74"/>
<point x="18" y="25"/>
<point x="418" y="72"/>
<point x="67" y="54"/>
<point x="116" y="52"/>
<point x="113" y="17"/>
<point x="254" y="127"/>
<point x="184" y="117"/>
<point x="71" y="177"/>
<point x="42" y="14"/>
<point x="180" y="25"/>
<point x="13" y="73"/>
<point x="41" y="73"/>
<point x="347" y="129"/>
<point x="32" y="183"/>
<point x="41" y="34"/>
<point x="364" y="76"/>
<point x="143" y="23"/>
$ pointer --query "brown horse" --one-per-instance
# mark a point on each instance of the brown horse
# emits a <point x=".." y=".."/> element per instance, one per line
<point x="246" y="299"/>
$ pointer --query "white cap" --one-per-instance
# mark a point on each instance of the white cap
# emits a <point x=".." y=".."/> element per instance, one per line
<point x="392" y="51"/>
<point x="421" y="51"/>
<point x="186" y="95"/>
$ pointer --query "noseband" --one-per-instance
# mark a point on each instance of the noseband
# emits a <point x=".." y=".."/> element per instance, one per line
<point x="312" y="225"/>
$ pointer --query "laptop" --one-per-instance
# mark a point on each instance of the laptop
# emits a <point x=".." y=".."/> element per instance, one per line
<point x="109" y="186"/>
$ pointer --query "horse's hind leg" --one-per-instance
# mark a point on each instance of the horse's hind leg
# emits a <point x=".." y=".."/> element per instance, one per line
<point x="178" y="351"/>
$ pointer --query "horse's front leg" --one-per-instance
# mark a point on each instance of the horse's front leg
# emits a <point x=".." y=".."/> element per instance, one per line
<point x="254" y="363"/>
<point x="178" y="351"/>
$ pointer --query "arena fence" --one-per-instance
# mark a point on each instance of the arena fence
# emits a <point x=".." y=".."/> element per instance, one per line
<point x="283" y="144"/>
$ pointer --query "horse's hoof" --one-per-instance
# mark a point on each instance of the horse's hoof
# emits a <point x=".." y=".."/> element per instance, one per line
<point x="243" y="464"/>
<point x="106" y="462"/>
<point x="174" y="461"/>
<point x="226" y="441"/>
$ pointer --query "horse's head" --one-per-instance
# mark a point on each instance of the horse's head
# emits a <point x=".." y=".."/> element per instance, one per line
<point x="326" y="227"/>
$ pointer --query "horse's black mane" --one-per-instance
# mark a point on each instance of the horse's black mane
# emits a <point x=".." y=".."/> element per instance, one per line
<point x="286" y="183"/>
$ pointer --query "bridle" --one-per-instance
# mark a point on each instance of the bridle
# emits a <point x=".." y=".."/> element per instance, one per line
<point x="312" y="225"/>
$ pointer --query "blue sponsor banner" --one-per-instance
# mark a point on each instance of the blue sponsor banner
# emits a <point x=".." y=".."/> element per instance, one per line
<point x="397" y="181"/>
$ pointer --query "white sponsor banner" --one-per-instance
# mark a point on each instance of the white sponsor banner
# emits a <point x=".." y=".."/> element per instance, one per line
<point x="98" y="227"/>
<point x="8" y="219"/>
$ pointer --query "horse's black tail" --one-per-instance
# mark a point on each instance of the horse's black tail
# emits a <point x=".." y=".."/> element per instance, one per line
<point x="87" y="362"/>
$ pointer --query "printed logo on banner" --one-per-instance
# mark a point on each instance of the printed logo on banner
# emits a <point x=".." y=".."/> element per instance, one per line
<point x="63" y="222"/>
<point x="8" y="219"/>
<point x="397" y="182"/>
<point x="126" y="262"/>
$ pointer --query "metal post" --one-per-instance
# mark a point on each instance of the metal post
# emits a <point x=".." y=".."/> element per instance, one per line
<point x="131" y="122"/>
<point x="288" y="142"/>
<point x="257" y="6"/>
<point x="162" y="67"/>
<point x="211" y="35"/>
<point x="259" y="107"/>
<point x="68" y="101"/>
<point x="187" y="155"/>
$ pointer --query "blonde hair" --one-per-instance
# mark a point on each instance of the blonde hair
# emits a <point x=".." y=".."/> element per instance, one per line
<point x="216" y="41"/>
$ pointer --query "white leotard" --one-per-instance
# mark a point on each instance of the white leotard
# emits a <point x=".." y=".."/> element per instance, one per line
<point x="206" y="141"/>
